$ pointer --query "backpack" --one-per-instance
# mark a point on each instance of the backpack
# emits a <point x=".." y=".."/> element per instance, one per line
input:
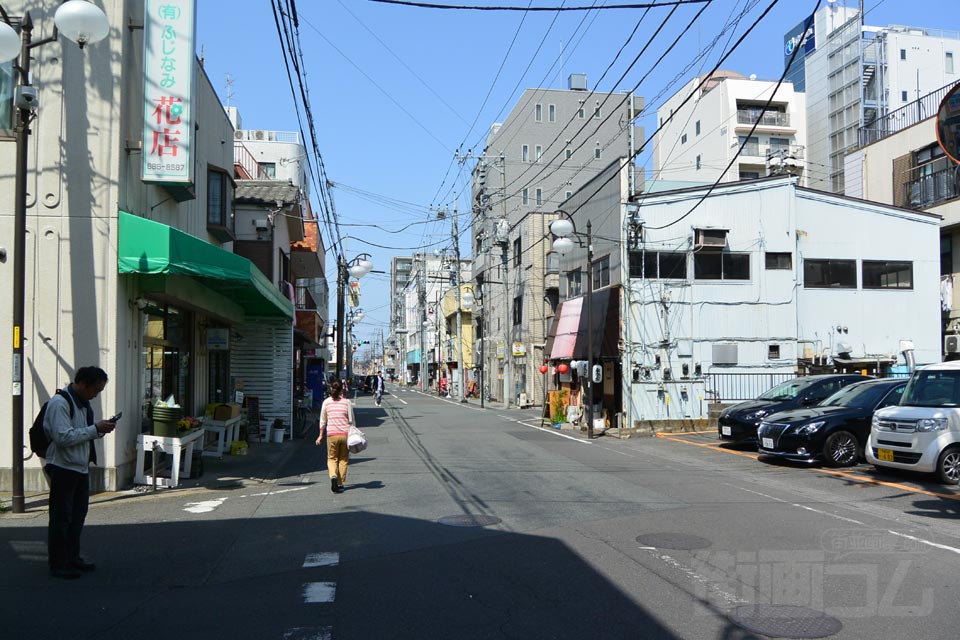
<point x="39" y="441"/>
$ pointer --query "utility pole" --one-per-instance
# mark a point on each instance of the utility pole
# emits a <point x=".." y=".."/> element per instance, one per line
<point x="422" y="308"/>
<point x="341" y="285"/>
<point x="507" y="333"/>
<point x="456" y="255"/>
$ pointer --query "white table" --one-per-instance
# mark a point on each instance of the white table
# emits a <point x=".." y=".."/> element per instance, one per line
<point x="175" y="446"/>
<point x="227" y="431"/>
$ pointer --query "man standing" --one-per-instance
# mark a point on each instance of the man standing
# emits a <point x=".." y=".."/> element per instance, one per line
<point x="68" y="422"/>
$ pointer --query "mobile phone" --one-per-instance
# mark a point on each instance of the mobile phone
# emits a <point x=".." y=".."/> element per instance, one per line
<point x="116" y="417"/>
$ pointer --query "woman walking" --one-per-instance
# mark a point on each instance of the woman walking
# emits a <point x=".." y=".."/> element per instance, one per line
<point x="336" y="416"/>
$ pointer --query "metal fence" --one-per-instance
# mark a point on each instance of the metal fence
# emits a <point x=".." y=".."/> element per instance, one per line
<point x="737" y="387"/>
<point x="907" y="115"/>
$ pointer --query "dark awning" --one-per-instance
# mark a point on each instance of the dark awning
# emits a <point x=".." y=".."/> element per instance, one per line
<point x="605" y="309"/>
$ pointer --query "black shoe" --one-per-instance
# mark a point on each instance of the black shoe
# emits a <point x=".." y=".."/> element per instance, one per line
<point x="334" y="485"/>
<point x="67" y="573"/>
<point x="83" y="565"/>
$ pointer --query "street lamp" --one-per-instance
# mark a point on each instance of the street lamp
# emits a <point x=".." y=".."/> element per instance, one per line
<point x="355" y="268"/>
<point x="353" y="318"/>
<point x="562" y="228"/>
<point x="83" y="23"/>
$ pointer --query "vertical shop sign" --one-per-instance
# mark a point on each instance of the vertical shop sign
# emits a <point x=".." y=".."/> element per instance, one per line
<point x="168" y="76"/>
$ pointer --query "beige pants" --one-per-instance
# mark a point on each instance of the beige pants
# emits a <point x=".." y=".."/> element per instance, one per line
<point x="337" y="457"/>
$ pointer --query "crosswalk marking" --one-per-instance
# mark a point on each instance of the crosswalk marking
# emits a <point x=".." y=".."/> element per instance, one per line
<point x="314" y="592"/>
<point x="203" y="507"/>
<point x="325" y="559"/>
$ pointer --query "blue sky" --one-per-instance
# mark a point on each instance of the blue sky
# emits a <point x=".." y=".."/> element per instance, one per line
<point x="396" y="89"/>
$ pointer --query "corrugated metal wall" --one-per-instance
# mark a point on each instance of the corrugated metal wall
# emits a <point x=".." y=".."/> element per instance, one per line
<point x="262" y="357"/>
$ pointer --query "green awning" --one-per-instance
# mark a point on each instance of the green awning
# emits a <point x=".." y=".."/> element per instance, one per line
<point x="151" y="248"/>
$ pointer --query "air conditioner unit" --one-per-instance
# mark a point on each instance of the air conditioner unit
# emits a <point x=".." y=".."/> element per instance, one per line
<point x="261" y="223"/>
<point x="238" y="135"/>
<point x="711" y="238"/>
<point x="951" y="344"/>
<point x="259" y="134"/>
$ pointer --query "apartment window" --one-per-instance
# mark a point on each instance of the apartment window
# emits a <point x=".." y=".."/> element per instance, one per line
<point x="567" y="194"/>
<point x="749" y="175"/>
<point x="552" y="113"/>
<point x="539" y="197"/>
<point x="829" y="274"/>
<point x="720" y="265"/>
<point x="601" y="273"/>
<point x="525" y="196"/>
<point x="751" y="145"/>
<point x="596" y="152"/>
<point x="518" y="310"/>
<point x="269" y="169"/>
<point x="596" y="112"/>
<point x="569" y="153"/>
<point x="779" y="144"/>
<point x="683" y="139"/>
<point x="903" y="96"/>
<point x="525" y="153"/>
<point x="698" y="163"/>
<point x="6" y="95"/>
<point x="946" y="255"/>
<point x="773" y="352"/>
<point x="948" y="62"/>
<point x="665" y="265"/>
<point x="539" y="152"/>
<point x="696" y="127"/>
<point x="775" y="260"/>
<point x="538" y="111"/>
<point x="580" y="112"/>
<point x="516" y="252"/>
<point x="553" y="262"/>
<point x="887" y="274"/>
<point x="903" y="54"/>
<point x="574" y="283"/>
<point x="219" y="208"/>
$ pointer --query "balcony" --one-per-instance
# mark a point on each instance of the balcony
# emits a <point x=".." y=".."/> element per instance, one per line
<point x="931" y="184"/>
<point x="767" y="119"/>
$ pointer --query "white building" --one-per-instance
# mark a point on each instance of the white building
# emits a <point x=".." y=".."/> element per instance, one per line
<point x="701" y="131"/>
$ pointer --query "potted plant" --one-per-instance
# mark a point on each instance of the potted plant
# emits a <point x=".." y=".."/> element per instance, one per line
<point x="558" y="407"/>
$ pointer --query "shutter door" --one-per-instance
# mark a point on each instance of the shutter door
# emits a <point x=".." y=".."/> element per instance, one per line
<point x="263" y="358"/>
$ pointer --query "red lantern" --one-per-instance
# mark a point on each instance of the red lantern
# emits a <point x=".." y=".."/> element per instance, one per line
<point x="544" y="368"/>
<point x="563" y="367"/>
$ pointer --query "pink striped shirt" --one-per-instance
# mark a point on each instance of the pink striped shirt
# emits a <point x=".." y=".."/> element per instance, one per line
<point x="336" y="416"/>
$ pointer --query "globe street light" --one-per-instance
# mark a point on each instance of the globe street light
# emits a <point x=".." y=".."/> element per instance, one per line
<point x="562" y="244"/>
<point x="83" y="23"/>
<point x="355" y="268"/>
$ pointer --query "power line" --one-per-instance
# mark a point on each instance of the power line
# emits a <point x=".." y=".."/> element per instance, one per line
<point x="635" y="5"/>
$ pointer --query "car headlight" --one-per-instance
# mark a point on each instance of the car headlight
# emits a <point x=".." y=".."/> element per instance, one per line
<point x="757" y="415"/>
<point x="932" y="424"/>
<point x="813" y="427"/>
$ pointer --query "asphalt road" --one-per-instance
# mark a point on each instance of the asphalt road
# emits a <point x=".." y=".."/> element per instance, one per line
<point x="466" y="523"/>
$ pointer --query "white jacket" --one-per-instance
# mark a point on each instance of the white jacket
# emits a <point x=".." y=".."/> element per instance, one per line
<point x="69" y="439"/>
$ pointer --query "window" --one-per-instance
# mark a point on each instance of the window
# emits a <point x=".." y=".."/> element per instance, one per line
<point x="658" y="264"/>
<point x="696" y="127"/>
<point x="269" y="169"/>
<point x="539" y="197"/>
<point x="751" y="145"/>
<point x="946" y="255"/>
<point x="601" y="273"/>
<point x="539" y="152"/>
<point x="553" y="262"/>
<point x="567" y="194"/>
<point x="574" y="283"/>
<point x="525" y="196"/>
<point x="720" y="265"/>
<point x="518" y="310"/>
<point x="948" y="62"/>
<point x="596" y="112"/>
<point x="903" y="96"/>
<point x="773" y="352"/>
<point x="683" y="139"/>
<point x="525" y="153"/>
<point x="516" y="252"/>
<point x="569" y="153"/>
<point x="580" y="112"/>
<point x="6" y="95"/>
<point x="887" y="274"/>
<point x="538" y="113"/>
<point x="552" y="113"/>
<point x="216" y="198"/>
<point x="749" y="175"/>
<point x="903" y="54"/>
<point x="596" y="152"/>
<point x="779" y="144"/>
<point x="829" y="274"/>
<point x="776" y="260"/>
<point x="698" y="163"/>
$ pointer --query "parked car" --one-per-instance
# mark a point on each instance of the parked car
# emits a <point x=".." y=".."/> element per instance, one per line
<point x="835" y="431"/>
<point x="922" y="433"/>
<point x="739" y="422"/>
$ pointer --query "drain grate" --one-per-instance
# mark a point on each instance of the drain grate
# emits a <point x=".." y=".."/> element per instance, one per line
<point x="785" y="621"/>
<point x="683" y="541"/>
<point x="469" y="520"/>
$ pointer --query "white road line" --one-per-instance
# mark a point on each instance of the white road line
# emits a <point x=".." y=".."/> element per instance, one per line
<point x="399" y="398"/>
<point x="203" y="507"/>
<point x="552" y="432"/>
<point x="926" y="542"/>
<point x="324" y="559"/>
<point x="308" y="633"/>
<point x="703" y="583"/>
<point x="273" y="493"/>
<point x="317" y="592"/>
<point x="827" y="513"/>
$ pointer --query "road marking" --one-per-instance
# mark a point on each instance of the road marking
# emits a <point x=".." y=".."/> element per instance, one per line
<point x="308" y="633"/>
<point x="827" y="513"/>
<point x="203" y="507"/>
<point x="831" y="472"/>
<point x="702" y="581"/>
<point x="317" y="592"/>
<point x="552" y="432"/>
<point x="926" y="542"/>
<point x="324" y="559"/>
<point x="399" y="398"/>
<point x="273" y="493"/>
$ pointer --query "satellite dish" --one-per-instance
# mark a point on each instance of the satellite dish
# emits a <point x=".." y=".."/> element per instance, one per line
<point x="948" y="124"/>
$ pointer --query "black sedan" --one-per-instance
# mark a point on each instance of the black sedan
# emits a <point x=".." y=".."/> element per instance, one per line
<point x="835" y="431"/>
<point x="739" y="422"/>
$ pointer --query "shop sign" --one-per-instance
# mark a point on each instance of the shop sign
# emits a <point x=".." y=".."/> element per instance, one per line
<point x="519" y="349"/>
<point x="501" y="351"/>
<point x="354" y="294"/>
<point x="218" y="339"/>
<point x="169" y="32"/>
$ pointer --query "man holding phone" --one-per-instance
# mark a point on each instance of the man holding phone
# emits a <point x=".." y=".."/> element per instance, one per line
<point x="72" y="431"/>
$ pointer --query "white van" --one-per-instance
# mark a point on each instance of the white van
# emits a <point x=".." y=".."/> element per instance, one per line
<point x="922" y="433"/>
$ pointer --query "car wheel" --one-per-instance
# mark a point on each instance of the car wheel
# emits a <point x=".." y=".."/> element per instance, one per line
<point x="841" y="449"/>
<point x="948" y="466"/>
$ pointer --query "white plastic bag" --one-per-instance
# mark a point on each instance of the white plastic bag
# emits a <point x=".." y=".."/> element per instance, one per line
<point x="356" y="441"/>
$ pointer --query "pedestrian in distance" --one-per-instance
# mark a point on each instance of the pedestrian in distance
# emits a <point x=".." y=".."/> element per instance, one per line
<point x="69" y="457"/>
<point x="336" y="417"/>
<point x="379" y="391"/>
